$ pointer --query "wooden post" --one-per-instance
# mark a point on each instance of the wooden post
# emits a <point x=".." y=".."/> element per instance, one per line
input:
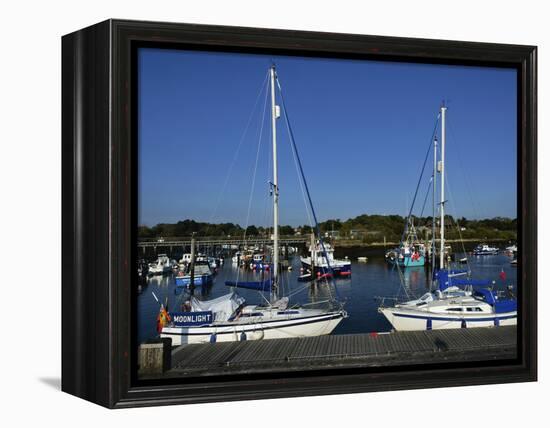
<point x="192" y="267"/>
<point x="155" y="356"/>
<point x="313" y="254"/>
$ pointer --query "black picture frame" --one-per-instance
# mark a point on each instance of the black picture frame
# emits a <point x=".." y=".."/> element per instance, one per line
<point x="99" y="212"/>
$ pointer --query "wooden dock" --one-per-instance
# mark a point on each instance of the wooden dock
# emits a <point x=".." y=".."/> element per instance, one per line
<point x="382" y="349"/>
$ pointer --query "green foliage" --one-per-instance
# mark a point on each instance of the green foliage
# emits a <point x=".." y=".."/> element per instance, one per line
<point x="286" y="230"/>
<point x="366" y="228"/>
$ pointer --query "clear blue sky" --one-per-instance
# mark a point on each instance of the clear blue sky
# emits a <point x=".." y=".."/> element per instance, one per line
<point x="362" y="128"/>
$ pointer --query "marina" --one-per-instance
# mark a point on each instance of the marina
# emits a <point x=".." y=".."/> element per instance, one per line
<point x="263" y="295"/>
<point x="361" y="291"/>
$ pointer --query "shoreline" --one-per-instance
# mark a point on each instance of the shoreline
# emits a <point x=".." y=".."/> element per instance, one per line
<point x="346" y="243"/>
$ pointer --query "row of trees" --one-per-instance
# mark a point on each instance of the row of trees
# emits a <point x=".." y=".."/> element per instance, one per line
<point x="367" y="228"/>
<point x="190" y="227"/>
<point x="374" y="228"/>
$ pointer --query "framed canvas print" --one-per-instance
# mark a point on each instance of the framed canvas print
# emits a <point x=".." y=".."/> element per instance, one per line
<point x="253" y="213"/>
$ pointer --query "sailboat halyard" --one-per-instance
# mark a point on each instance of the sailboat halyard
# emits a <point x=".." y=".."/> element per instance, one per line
<point x="456" y="302"/>
<point x="229" y="318"/>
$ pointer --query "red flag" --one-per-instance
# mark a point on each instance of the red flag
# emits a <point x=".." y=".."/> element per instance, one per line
<point x="502" y="275"/>
<point x="163" y="318"/>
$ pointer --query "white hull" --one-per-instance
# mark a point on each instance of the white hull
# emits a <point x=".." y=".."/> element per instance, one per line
<point x="160" y="271"/>
<point x="407" y="320"/>
<point x="323" y="263"/>
<point x="318" y="325"/>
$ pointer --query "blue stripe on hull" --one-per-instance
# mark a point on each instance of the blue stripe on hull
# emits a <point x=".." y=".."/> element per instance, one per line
<point x="199" y="280"/>
<point x="435" y="318"/>
<point x="251" y="327"/>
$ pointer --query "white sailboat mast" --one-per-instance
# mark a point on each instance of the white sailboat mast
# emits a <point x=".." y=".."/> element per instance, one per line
<point x="434" y="193"/>
<point x="274" y="115"/>
<point x="442" y="171"/>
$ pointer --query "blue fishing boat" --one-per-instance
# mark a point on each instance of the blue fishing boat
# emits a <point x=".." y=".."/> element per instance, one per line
<point x="202" y="275"/>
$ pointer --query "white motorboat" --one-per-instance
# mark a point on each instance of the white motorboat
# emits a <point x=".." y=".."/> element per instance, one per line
<point x="161" y="266"/>
<point x="485" y="250"/>
<point x="230" y="318"/>
<point x="184" y="261"/>
<point x="324" y="261"/>
<point x="512" y="249"/>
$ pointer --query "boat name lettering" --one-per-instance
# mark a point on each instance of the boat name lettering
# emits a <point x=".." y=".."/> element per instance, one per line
<point x="182" y="319"/>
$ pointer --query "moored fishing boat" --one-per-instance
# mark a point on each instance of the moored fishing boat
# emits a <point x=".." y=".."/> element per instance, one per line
<point x="202" y="275"/>
<point x="407" y="255"/>
<point x="324" y="261"/>
<point x="411" y="252"/>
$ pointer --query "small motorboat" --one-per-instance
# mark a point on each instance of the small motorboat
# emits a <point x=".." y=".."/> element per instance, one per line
<point x="511" y="249"/>
<point x="485" y="250"/>
<point x="161" y="266"/>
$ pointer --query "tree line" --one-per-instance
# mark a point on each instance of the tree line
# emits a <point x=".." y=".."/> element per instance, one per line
<point x="365" y="228"/>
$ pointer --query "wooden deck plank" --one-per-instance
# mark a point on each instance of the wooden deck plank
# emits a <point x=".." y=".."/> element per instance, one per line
<point x="374" y="349"/>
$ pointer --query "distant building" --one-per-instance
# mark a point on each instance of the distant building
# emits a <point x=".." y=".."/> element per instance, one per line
<point x="357" y="233"/>
<point x="334" y="234"/>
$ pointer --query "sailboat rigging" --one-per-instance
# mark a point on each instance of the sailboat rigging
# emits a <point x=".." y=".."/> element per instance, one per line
<point x="229" y="317"/>
<point x="458" y="301"/>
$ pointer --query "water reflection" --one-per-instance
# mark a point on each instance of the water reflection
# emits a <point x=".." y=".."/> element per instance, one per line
<point x="359" y="292"/>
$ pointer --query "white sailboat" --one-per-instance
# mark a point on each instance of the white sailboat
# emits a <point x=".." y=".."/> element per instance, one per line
<point x="229" y="318"/>
<point x="458" y="302"/>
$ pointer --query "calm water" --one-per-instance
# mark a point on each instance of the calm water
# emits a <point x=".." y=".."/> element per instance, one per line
<point x="368" y="281"/>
